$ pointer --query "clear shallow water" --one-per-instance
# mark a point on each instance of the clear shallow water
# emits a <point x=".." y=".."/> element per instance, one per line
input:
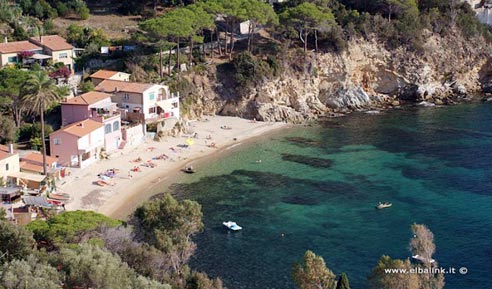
<point x="434" y="165"/>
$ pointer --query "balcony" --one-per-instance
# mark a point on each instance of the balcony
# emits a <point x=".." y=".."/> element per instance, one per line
<point x="103" y="114"/>
<point x="106" y="116"/>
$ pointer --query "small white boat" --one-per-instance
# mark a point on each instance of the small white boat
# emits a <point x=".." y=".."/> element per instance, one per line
<point x="383" y="205"/>
<point x="423" y="259"/>
<point x="232" y="226"/>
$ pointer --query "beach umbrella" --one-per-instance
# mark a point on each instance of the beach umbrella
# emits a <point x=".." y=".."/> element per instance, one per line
<point x="189" y="141"/>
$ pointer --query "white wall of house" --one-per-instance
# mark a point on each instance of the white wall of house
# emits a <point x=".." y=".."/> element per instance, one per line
<point x="92" y="140"/>
<point x="150" y="98"/>
<point x="91" y="143"/>
<point x="121" y="76"/>
<point x="9" y="165"/>
<point x="134" y="136"/>
<point x="9" y="58"/>
<point x="65" y="56"/>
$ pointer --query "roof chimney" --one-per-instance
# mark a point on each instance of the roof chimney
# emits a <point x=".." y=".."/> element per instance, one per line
<point x="11" y="149"/>
<point x="6" y="40"/>
<point x="116" y="89"/>
<point x="81" y="124"/>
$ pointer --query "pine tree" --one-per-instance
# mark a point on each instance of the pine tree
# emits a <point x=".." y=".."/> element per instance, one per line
<point x="343" y="282"/>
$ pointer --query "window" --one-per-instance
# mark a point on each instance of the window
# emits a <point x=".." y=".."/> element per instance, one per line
<point x="152" y="96"/>
<point x="57" y="141"/>
<point x="12" y="59"/>
<point x="152" y="110"/>
<point x="6" y="167"/>
<point x="126" y="96"/>
<point x="63" y="55"/>
<point x="175" y="105"/>
<point x="107" y="128"/>
<point x="116" y="126"/>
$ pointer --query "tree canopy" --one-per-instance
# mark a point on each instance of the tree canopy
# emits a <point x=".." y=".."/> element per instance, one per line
<point x="15" y="242"/>
<point x="380" y="279"/>
<point x="67" y="226"/>
<point x="312" y="273"/>
<point x="169" y="225"/>
<point x="30" y="273"/>
<point x="90" y="266"/>
<point x="422" y="243"/>
<point x="343" y="282"/>
<point x="307" y="18"/>
<point x="12" y="91"/>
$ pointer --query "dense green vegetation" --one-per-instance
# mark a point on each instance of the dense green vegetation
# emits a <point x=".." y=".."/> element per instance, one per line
<point x="312" y="273"/>
<point x="25" y="96"/>
<point x="83" y="249"/>
<point x="318" y="25"/>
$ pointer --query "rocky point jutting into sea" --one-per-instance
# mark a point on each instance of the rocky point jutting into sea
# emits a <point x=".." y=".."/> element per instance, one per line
<point x="367" y="75"/>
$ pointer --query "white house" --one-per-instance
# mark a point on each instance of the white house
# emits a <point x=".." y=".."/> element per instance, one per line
<point x="142" y="102"/>
<point x="78" y="144"/>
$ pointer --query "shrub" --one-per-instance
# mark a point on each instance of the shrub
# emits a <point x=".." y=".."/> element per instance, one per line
<point x="249" y="70"/>
<point x="32" y="133"/>
<point x="87" y="86"/>
<point x="61" y="72"/>
<point x="7" y="129"/>
<point x="83" y="13"/>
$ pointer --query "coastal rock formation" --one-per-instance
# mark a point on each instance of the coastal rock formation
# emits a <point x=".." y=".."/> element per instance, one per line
<point x="366" y="76"/>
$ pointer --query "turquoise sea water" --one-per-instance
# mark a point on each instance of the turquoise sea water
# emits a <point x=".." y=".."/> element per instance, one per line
<point x="318" y="186"/>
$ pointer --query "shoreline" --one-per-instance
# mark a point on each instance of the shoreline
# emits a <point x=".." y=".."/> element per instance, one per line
<point x="120" y="199"/>
<point x="162" y="184"/>
<point x="128" y="190"/>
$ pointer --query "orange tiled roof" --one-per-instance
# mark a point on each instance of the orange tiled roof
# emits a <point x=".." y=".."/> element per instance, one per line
<point x="53" y="42"/>
<point x="81" y="128"/>
<point x="109" y="85"/>
<point x="17" y="46"/>
<point x="38" y="158"/>
<point x="90" y="97"/>
<point x="31" y="167"/>
<point x="4" y="152"/>
<point x="104" y="74"/>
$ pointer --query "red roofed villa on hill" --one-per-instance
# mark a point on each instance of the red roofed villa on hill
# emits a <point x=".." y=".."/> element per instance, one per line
<point x="38" y="49"/>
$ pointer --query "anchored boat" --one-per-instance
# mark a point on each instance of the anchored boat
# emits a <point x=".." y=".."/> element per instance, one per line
<point x="189" y="170"/>
<point x="232" y="226"/>
<point x="383" y="205"/>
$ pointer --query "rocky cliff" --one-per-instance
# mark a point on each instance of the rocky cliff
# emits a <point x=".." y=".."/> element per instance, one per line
<point x="366" y="76"/>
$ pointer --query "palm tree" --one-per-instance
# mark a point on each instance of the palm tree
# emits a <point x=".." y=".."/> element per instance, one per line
<point x="41" y="93"/>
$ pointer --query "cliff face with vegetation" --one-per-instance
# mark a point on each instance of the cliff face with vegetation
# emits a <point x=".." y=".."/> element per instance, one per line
<point x="365" y="76"/>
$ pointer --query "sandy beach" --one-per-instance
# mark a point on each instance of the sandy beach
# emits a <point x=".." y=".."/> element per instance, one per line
<point x="127" y="188"/>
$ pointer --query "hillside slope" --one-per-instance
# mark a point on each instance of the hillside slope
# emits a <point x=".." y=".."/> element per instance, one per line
<point x="365" y="76"/>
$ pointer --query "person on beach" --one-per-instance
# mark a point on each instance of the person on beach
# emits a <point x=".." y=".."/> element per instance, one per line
<point x="130" y="174"/>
